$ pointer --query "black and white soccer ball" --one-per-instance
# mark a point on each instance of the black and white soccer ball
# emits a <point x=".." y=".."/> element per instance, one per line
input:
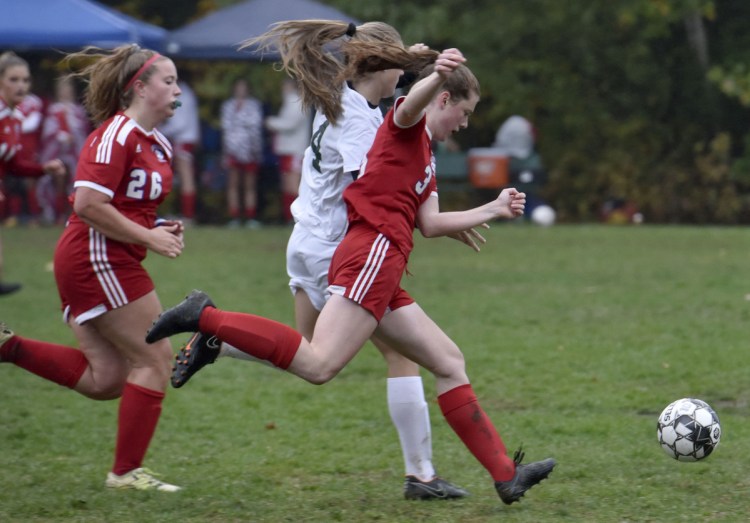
<point x="688" y="429"/>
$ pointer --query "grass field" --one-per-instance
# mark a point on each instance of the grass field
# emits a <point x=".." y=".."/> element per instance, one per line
<point x="575" y="338"/>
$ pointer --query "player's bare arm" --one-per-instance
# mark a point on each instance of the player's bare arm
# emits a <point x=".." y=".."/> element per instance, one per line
<point x="95" y="209"/>
<point x="509" y="204"/>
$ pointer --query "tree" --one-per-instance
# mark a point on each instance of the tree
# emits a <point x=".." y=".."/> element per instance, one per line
<point x="639" y="100"/>
<point x="617" y="91"/>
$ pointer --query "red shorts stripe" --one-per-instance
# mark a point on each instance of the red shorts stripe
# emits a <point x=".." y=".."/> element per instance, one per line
<point x="370" y="270"/>
<point x="103" y="270"/>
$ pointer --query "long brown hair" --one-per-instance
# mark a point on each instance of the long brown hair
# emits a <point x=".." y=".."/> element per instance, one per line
<point x="461" y="84"/>
<point x="9" y="59"/>
<point x="107" y="73"/>
<point x="323" y="54"/>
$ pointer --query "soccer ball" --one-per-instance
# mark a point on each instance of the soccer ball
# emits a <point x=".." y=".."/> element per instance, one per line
<point x="688" y="429"/>
<point x="543" y="215"/>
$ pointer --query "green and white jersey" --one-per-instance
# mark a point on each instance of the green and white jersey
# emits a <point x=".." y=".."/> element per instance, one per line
<point x="334" y="151"/>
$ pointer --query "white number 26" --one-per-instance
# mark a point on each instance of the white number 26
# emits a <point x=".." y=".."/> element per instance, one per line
<point x="138" y="178"/>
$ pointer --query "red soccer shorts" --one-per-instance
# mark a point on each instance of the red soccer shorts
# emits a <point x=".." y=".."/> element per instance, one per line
<point x="367" y="269"/>
<point x="95" y="275"/>
<point x="289" y="163"/>
<point x="184" y="149"/>
<point x="234" y="163"/>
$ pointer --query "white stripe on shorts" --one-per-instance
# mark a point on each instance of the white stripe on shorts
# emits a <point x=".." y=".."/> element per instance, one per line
<point x="103" y="270"/>
<point x="370" y="271"/>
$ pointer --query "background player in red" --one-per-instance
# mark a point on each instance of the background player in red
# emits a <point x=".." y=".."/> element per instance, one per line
<point x="291" y="136"/>
<point x="108" y="298"/>
<point x="184" y="132"/>
<point x="395" y="192"/>
<point x="23" y="206"/>
<point x="65" y="129"/>
<point x="15" y="80"/>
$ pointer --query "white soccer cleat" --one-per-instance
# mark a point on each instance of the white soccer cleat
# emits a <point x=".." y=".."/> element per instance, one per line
<point x="139" y="479"/>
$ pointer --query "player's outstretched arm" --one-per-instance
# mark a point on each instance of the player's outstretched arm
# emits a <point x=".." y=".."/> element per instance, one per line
<point x="509" y="204"/>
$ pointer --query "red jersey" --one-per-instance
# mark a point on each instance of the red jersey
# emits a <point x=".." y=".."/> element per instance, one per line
<point x="130" y="165"/>
<point x="397" y="177"/>
<point x="32" y="109"/>
<point x="64" y="132"/>
<point x="10" y="144"/>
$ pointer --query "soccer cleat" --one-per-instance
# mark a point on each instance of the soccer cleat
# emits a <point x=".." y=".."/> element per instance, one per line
<point x="183" y="317"/>
<point x="138" y="479"/>
<point x="9" y="288"/>
<point x="438" y="488"/>
<point x="526" y="476"/>
<point x="199" y="351"/>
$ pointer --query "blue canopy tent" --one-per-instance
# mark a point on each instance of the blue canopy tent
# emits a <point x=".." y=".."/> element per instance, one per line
<point x="35" y="25"/>
<point x="219" y="34"/>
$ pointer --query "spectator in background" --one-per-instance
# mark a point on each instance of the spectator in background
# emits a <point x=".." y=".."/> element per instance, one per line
<point x="183" y="130"/>
<point x="242" y="149"/>
<point x="64" y="131"/>
<point x="291" y="128"/>
<point x="516" y="139"/>
<point x="21" y="189"/>
<point x="15" y="80"/>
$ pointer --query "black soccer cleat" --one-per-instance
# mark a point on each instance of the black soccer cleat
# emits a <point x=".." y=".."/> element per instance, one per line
<point x="199" y="351"/>
<point x="183" y="317"/>
<point x="526" y="476"/>
<point x="438" y="488"/>
<point x="9" y="288"/>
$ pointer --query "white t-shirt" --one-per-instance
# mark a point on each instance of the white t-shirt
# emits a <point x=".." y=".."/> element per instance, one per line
<point x="335" y="151"/>
<point x="184" y="126"/>
<point x="242" y="129"/>
<point x="291" y="127"/>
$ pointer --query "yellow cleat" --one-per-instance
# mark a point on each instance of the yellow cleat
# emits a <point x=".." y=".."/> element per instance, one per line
<point x="139" y="479"/>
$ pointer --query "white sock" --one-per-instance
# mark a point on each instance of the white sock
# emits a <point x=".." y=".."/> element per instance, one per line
<point x="229" y="351"/>
<point x="411" y="417"/>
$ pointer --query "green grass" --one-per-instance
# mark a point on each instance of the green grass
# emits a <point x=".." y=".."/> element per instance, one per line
<point x="575" y="338"/>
